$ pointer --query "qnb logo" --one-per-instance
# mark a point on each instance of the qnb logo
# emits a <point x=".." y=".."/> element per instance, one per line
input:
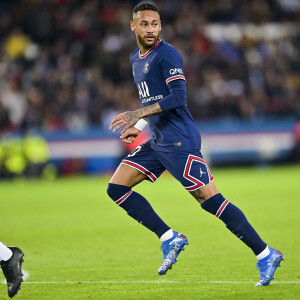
<point x="143" y="89"/>
<point x="176" y="71"/>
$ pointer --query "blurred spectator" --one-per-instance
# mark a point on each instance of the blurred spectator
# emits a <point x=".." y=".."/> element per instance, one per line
<point x="64" y="64"/>
<point x="27" y="156"/>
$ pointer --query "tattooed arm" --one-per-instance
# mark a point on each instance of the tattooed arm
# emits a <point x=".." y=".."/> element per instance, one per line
<point x="150" y="110"/>
<point x="129" y="118"/>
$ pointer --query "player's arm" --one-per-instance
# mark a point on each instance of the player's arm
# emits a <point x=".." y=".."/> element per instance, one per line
<point x="177" y="95"/>
<point x="171" y="66"/>
<point x="176" y="99"/>
<point x="129" y="118"/>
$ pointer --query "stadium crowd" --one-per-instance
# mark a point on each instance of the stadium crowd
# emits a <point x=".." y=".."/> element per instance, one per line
<point x="65" y="64"/>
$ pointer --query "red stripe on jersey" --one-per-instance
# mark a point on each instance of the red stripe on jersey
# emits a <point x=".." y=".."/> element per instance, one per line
<point x="175" y="78"/>
<point x="140" y="168"/>
<point x="123" y="198"/>
<point x="141" y="56"/>
<point x="222" y="208"/>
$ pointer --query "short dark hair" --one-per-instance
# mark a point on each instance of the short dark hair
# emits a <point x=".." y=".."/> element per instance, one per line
<point x="145" y="6"/>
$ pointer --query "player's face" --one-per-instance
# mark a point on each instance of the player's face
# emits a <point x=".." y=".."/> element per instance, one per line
<point x="147" y="26"/>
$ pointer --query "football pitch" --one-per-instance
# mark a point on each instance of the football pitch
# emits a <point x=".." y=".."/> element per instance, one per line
<point x="80" y="245"/>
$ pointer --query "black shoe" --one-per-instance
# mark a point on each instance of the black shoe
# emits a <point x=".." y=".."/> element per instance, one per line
<point x="12" y="270"/>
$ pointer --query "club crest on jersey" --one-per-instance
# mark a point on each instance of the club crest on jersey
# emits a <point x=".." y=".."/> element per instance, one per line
<point x="146" y="68"/>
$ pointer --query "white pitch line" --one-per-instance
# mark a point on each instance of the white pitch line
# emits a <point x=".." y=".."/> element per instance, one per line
<point x="25" y="276"/>
<point x="155" y="282"/>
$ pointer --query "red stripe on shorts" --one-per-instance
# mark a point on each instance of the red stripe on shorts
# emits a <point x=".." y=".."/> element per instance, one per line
<point x="140" y="168"/>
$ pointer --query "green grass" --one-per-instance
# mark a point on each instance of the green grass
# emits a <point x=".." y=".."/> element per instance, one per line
<point x="80" y="245"/>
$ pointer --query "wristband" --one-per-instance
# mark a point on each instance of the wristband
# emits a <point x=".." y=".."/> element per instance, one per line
<point x="140" y="124"/>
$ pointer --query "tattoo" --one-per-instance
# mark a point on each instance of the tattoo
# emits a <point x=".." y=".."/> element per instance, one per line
<point x="150" y="110"/>
<point x="198" y="195"/>
<point x="132" y="116"/>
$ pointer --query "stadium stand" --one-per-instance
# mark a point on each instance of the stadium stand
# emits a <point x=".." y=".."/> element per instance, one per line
<point x="64" y="64"/>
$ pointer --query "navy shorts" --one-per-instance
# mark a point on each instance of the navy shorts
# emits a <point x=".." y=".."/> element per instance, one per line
<point x="188" y="167"/>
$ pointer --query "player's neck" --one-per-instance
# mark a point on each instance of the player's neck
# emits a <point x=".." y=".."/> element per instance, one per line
<point x="144" y="50"/>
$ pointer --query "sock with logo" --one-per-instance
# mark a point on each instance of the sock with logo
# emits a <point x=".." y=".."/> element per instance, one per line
<point x="137" y="207"/>
<point x="235" y="221"/>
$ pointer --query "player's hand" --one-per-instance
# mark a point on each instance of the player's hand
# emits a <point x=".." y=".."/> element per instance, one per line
<point x="128" y="136"/>
<point x="127" y="119"/>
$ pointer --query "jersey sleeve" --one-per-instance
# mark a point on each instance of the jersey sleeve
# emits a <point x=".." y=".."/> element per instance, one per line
<point x="171" y="65"/>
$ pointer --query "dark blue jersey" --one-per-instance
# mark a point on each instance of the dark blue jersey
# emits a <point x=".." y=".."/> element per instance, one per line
<point x="159" y="77"/>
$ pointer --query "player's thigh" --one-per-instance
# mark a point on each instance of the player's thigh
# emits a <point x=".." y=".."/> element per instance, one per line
<point x="139" y="165"/>
<point x="192" y="171"/>
<point x="125" y="175"/>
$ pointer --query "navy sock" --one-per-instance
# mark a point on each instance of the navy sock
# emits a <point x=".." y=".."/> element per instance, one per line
<point x="235" y="221"/>
<point x="137" y="207"/>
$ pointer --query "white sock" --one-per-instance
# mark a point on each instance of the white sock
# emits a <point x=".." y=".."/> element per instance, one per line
<point x="263" y="254"/>
<point x="5" y="253"/>
<point x="167" y="235"/>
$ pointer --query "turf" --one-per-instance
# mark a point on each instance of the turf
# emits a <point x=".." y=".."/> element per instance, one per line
<point x="80" y="245"/>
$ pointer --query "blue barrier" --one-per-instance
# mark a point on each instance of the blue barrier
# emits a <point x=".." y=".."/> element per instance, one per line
<point x="224" y="142"/>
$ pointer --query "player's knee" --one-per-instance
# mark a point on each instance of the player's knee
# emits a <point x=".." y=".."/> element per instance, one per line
<point x="199" y="196"/>
<point x="116" y="191"/>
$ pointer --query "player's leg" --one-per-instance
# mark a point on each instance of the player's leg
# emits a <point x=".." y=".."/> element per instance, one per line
<point x="139" y="165"/>
<point x="213" y="202"/>
<point x="11" y="259"/>
<point x="194" y="174"/>
<point x="136" y="206"/>
<point x="235" y="220"/>
<point x="142" y="164"/>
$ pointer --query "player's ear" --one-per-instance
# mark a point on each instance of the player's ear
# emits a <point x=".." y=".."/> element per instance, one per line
<point x="132" y="26"/>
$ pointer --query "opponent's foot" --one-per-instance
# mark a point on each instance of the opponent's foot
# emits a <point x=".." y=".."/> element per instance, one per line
<point x="12" y="270"/>
<point x="267" y="266"/>
<point x="171" y="249"/>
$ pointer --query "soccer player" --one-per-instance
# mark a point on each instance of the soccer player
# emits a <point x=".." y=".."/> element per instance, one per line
<point x="174" y="146"/>
<point x="11" y="259"/>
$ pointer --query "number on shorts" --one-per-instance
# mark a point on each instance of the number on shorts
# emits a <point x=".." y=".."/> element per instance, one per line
<point x="135" y="151"/>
